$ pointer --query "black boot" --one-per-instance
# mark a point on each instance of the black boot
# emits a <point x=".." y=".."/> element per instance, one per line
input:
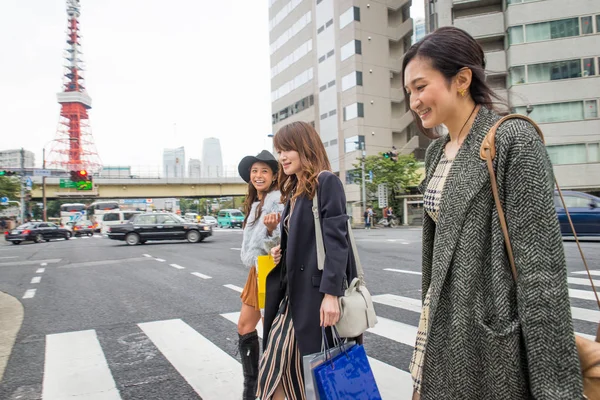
<point x="249" y="351"/>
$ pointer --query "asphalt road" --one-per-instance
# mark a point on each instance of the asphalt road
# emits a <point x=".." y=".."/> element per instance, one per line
<point x="103" y="320"/>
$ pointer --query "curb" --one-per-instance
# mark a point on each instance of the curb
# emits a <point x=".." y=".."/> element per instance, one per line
<point x="11" y="319"/>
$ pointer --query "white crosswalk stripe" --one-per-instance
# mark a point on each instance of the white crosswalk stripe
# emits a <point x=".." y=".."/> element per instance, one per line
<point x="76" y="364"/>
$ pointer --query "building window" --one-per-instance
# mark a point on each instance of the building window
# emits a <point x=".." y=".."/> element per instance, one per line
<point x="587" y="26"/>
<point x="328" y="23"/>
<point x="354" y="78"/>
<point x="333" y="142"/>
<point x="350" y="48"/>
<point x="598" y="23"/>
<point x="579" y="153"/>
<point x="298" y="26"/>
<point x="589" y="67"/>
<point x="590" y="109"/>
<point x="353" y="143"/>
<point x="555" y="112"/>
<point x="552" y="30"/>
<point x="295" y="108"/>
<point x="554" y="71"/>
<point x="352" y="176"/>
<point x="321" y="59"/>
<point x="352" y="111"/>
<point x="332" y="112"/>
<point x="517" y="75"/>
<point x="323" y="116"/>
<point x="321" y="29"/>
<point x="331" y="83"/>
<point x="288" y="8"/>
<point x="284" y="64"/>
<point x="330" y="53"/>
<point x="515" y="35"/>
<point x="351" y="14"/>
<point x="322" y="88"/>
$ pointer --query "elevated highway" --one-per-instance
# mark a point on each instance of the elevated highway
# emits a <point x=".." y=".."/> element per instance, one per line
<point x="111" y="188"/>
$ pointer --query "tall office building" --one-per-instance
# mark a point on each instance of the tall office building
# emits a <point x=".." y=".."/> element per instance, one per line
<point x="336" y="64"/>
<point x="212" y="160"/>
<point x="194" y="168"/>
<point x="420" y="30"/>
<point x="12" y="159"/>
<point x="174" y="163"/>
<point x="543" y="57"/>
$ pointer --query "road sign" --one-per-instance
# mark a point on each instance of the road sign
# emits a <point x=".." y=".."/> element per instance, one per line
<point x="382" y="194"/>
<point x="4" y="201"/>
<point x="28" y="183"/>
<point x="84" y="185"/>
<point x="370" y="176"/>
<point x="42" y="172"/>
<point x="67" y="184"/>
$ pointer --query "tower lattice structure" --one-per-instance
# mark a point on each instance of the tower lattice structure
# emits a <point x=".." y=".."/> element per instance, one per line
<point x="73" y="147"/>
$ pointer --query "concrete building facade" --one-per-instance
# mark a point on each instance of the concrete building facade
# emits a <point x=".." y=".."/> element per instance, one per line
<point x="11" y="159"/>
<point x="543" y="58"/>
<point x="174" y="163"/>
<point x="194" y="168"/>
<point x="336" y="64"/>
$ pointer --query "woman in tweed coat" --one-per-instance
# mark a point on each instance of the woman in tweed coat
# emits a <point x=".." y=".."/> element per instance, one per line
<point x="481" y="336"/>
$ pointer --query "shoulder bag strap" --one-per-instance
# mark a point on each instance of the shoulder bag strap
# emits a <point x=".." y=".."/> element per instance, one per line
<point x="321" y="245"/>
<point x="487" y="153"/>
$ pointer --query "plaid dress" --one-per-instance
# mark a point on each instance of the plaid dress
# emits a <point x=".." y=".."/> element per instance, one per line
<point x="431" y="203"/>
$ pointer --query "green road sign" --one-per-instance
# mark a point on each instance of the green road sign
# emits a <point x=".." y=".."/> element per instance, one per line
<point x="84" y="185"/>
<point x="67" y="184"/>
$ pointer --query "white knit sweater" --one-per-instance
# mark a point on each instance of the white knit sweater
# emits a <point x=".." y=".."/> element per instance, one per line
<point x="256" y="241"/>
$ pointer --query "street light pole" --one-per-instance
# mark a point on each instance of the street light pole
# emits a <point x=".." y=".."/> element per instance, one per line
<point x="44" y="214"/>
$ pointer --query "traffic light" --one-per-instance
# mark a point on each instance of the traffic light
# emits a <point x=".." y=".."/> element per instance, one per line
<point x="80" y="175"/>
<point x="387" y="155"/>
<point x="7" y="173"/>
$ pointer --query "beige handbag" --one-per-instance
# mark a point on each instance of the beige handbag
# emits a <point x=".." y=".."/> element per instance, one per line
<point x="589" y="351"/>
<point x="357" y="313"/>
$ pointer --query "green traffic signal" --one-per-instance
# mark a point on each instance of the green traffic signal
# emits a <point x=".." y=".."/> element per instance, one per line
<point x="386" y="155"/>
<point x="7" y="173"/>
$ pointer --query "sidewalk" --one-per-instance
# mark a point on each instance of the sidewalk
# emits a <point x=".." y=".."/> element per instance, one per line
<point x="11" y="318"/>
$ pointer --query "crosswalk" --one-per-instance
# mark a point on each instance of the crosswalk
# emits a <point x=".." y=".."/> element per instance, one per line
<point x="82" y="363"/>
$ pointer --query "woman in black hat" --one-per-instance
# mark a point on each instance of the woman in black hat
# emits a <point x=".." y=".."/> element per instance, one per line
<point x="261" y="232"/>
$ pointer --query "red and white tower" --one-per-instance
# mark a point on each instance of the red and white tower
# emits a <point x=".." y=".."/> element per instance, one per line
<point x="73" y="148"/>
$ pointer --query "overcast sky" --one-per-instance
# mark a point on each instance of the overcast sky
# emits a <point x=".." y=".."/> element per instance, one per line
<point x="161" y="74"/>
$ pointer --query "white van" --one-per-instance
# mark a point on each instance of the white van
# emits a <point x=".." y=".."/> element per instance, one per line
<point x="115" y="217"/>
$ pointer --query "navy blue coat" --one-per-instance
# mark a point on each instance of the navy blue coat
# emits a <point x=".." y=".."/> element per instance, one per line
<point x="308" y="285"/>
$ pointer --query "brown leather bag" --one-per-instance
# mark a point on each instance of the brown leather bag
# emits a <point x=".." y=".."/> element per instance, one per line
<point x="589" y="351"/>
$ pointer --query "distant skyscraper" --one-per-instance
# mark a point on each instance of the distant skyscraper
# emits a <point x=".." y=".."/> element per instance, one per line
<point x="194" y="168"/>
<point x="212" y="161"/>
<point x="174" y="163"/>
<point x="420" y="31"/>
<point x="12" y="159"/>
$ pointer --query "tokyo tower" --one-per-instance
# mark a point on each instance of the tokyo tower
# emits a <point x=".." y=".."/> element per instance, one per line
<point x="73" y="147"/>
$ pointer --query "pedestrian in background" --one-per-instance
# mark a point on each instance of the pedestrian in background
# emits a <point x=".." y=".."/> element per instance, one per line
<point x="481" y="335"/>
<point x="368" y="215"/>
<point x="261" y="232"/>
<point x="300" y="298"/>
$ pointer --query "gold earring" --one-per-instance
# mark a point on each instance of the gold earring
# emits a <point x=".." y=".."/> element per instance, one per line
<point x="462" y="92"/>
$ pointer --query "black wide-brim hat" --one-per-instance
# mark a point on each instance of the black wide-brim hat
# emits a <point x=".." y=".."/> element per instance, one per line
<point x="248" y="161"/>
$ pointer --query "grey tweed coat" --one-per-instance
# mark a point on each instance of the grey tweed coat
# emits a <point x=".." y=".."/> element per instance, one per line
<point x="487" y="338"/>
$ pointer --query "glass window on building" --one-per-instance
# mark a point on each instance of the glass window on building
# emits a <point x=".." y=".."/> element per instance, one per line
<point x="351" y="14"/>
<point x="517" y="75"/>
<point x="352" y="175"/>
<point x="515" y="35"/>
<point x="554" y="71"/>
<point x="589" y="69"/>
<point x="352" y="111"/>
<point x="568" y="154"/>
<point x="587" y="26"/>
<point x="556" y="112"/>
<point x="598" y="23"/>
<point x="349" y="49"/>
<point x="353" y="143"/>
<point x="354" y="78"/>
<point x="590" y="109"/>
<point x="552" y="30"/>
<point x="593" y="152"/>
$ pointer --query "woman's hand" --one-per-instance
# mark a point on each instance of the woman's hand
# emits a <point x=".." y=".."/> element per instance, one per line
<point x="276" y="253"/>
<point x="330" y="310"/>
<point x="271" y="221"/>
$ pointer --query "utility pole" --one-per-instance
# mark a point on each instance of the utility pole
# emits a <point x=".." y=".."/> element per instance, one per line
<point x="44" y="215"/>
<point x="22" y="185"/>
<point x="364" y="190"/>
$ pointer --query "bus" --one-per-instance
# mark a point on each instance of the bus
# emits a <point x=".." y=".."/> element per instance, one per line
<point x="97" y="209"/>
<point x="70" y="212"/>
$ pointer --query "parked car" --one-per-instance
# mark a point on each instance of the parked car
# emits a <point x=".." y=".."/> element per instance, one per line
<point x="230" y="218"/>
<point x="83" y="227"/>
<point x="36" y="232"/>
<point x="158" y="226"/>
<point x="210" y="221"/>
<point x="584" y="210"/>
<point x="116" y="217"/>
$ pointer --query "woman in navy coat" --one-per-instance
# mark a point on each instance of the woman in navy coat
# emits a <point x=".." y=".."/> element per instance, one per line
<point x="300" y="298"/>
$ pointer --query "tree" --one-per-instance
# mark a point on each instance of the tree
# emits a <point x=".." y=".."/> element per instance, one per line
<point x="398" y="175"/>
<point x="10" y="187"/>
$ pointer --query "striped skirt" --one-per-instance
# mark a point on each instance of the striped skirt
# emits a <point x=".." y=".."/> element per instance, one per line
<point x="281" y="362"/>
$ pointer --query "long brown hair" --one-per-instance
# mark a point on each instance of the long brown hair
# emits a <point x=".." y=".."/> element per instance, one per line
<point x="252" y="196"/>
<point x="301" y="137"/>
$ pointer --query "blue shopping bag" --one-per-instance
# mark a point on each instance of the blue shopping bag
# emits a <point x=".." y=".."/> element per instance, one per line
<point x="347" y="376"/>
